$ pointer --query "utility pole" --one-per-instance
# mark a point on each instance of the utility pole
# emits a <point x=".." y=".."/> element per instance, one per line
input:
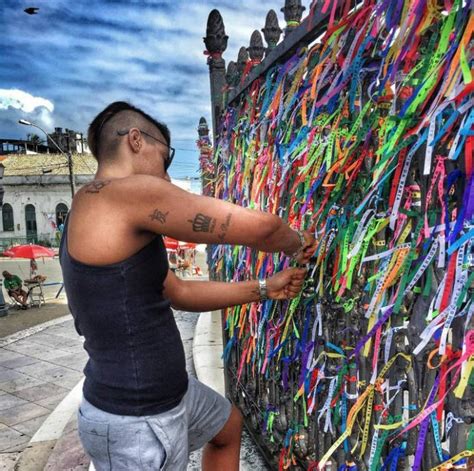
<point x="68" y="155"/>
<point x="70" y="166"/>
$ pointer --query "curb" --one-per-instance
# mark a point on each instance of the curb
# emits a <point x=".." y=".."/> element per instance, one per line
<point x="52" y="428"/>
<point x="207" y="351"/>
<point x="32" y="330"/>
<point x="42" y="444"/>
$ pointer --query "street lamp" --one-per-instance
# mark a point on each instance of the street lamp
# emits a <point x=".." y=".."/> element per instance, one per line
<point x="67" y="155"/>
<point x="3" y="307"/>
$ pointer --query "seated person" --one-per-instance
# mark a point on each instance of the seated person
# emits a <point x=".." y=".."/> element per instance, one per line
<point x="33" y="267"/>
<point x="13" y="285"/>
<point x="34" y="276"/>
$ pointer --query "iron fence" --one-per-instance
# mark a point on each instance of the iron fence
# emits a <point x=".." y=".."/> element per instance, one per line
<point x="358" y="127"/>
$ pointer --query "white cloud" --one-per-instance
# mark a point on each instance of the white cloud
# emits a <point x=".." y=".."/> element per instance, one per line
<point x="23" y="101"/>
<point x="46" y="118"/>
<point x="90" y="53"/>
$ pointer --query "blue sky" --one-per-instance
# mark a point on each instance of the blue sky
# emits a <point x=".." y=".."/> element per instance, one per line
<point x="62" y="66"/>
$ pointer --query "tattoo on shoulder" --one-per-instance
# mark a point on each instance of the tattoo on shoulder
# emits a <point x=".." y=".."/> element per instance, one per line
<point x="224" y="228"/>
<point x="203" y="223"/>
<point x="159" y="216"/>
<point x="96" y="186"/>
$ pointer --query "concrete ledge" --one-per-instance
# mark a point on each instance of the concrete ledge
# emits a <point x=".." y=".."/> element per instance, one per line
<point x="53" y="427"/>
<point x="207" y="351"/>
<point x="36" y="455"/>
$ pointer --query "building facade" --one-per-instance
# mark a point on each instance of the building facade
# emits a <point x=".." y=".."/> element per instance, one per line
<point x="38" y="195"/>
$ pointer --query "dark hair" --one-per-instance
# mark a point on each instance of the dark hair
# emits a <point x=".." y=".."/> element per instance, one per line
<point x="102" y="134"/>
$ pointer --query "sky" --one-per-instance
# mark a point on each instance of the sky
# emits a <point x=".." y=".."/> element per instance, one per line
<point x="61" y="67"/>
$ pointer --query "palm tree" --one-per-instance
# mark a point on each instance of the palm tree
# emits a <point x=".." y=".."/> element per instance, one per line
<point x="35" y="140"/>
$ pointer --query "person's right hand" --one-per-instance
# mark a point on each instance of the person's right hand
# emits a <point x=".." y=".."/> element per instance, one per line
<point x="308" y="249"/>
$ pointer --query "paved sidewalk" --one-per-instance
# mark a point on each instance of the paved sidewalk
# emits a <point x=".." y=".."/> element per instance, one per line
<point x="36" y="373"/>
<point x="38" y="369"/>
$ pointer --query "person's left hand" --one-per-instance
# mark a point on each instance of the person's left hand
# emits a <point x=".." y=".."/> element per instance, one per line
<point x="286" y="284"/>
<point x="308" y="249"/>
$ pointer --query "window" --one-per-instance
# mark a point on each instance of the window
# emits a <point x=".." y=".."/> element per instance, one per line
<point x="61" y="212"/>
<point x="30" y="220"/>
<point x="7" y="216"/>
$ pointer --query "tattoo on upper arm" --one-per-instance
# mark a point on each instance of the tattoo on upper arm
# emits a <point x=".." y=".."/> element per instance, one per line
<point x="159" y="216"/>
<point x="96" y="186"/>
<point x="203" y="223"/>
<point x="224" y="227"/>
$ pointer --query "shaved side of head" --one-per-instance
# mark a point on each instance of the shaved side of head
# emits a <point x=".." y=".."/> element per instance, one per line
<point x="102" y="136"/>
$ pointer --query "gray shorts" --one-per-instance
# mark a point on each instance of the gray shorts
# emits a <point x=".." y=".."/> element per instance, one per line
<point x="153" y="442"/>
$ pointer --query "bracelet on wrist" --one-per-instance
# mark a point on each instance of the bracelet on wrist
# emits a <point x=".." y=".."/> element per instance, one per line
<point x="302" y="241"/>
<point x="262" y="289"/>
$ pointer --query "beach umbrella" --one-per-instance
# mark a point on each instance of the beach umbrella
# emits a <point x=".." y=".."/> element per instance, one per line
<point x="187" y="245"/>
<point x="29" y="251"/>
<point x="170" y="243"/>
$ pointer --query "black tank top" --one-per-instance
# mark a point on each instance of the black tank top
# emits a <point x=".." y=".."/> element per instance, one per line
<point x="136" y="357"/>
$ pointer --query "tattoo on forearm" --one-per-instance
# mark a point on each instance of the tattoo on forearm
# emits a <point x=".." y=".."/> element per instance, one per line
<point x="203" y="223"/>
<point x="224" y="227"/>
<point x="157" y="215"/>
<point x="96" y="186"/>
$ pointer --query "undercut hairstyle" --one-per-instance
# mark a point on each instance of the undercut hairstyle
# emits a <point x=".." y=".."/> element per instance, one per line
<point x="102" y="135"/>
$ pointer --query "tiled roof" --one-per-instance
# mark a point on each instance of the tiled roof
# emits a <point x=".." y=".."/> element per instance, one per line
<point x="34" y="164"/>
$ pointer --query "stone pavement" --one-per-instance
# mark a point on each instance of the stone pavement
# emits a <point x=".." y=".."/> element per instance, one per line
<point x="36" y="372"/>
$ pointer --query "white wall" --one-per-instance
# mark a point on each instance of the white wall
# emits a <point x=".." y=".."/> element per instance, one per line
<point x="44" y="199"/>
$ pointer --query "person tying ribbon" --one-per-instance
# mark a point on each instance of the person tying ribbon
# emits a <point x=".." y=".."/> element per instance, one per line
<point x="140" y="409"/>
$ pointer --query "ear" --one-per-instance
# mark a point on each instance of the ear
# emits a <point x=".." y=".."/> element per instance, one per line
<point x="135" y="140"/>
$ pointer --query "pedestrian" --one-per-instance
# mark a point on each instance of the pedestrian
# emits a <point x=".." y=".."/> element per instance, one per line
<point x="13" y="284"/>
<point x="140" y="410"/>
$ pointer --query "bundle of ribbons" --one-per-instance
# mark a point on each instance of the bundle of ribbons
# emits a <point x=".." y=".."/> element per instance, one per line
<point x="365" y="137"/>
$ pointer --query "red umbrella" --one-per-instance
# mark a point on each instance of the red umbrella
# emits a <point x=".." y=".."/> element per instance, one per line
<point x="187" y="245"/>
<point x="170" y="243"/>
<point x="29" y="251"/>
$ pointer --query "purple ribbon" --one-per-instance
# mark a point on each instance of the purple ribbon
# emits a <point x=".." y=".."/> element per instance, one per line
<point x="372" y="331"/>
<point x="424" y="428"/>
<point x="469" y="199"/>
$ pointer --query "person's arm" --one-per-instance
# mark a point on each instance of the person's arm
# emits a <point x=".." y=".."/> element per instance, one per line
<point x="199" y="296"/>
<point x="155" y="205"/>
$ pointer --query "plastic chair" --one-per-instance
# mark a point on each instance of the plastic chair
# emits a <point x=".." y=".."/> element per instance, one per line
<point x="14" y="303"/>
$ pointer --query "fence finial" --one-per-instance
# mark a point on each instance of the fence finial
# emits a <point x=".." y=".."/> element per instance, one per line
<point x="216" y="39"/>
<point x="256" y="49"/>
<point x="272" y="30"/>
<point x="216" y="44"/>
<point x="232" y="75"/>
<point x="293" y="11"/>
<point x="203" y="129"/>
<point x="242" y="60"/>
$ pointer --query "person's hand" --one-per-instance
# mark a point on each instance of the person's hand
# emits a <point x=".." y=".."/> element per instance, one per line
<point x="308" y="248"/>
<point x="286" y="284"/>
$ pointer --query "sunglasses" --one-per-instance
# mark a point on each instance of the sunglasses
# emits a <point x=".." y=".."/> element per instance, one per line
<point x="168" y="160"/>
